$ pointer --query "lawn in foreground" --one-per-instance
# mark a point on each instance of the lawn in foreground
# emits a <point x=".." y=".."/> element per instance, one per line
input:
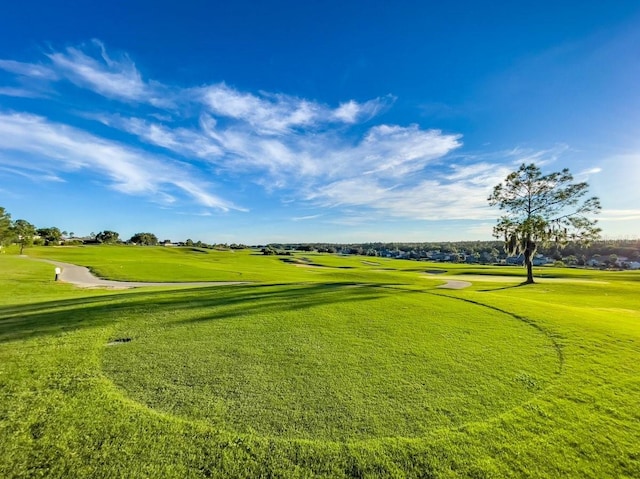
<point x="328" y="361"/>
<point x="69" y="409"/>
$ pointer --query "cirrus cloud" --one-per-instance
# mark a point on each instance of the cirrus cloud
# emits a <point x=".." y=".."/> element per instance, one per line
<point x="54" y="147"/>
<point x="174" y="141"/>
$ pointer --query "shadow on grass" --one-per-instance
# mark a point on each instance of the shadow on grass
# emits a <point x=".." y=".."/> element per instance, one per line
<point x="57" y="317"/>
<point x="220" y="302"/>
<point x="255" y="300"/>
<point x="511" y="286"/>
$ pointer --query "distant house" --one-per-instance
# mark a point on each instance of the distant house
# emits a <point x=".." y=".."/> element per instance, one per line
<point x="515" y="260"/>
<point x="538" y="260"/>
<point x="470" y="259"/>
<point x="439" y="256"/>
<point x="622" y="262"/>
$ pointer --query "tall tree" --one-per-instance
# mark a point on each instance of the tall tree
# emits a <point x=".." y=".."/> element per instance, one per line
<point x="540" y="209"/>
<point x="23" y="232"/>
<point x="6" y="233"/>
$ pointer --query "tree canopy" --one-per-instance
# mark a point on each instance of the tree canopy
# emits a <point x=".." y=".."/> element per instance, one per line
<point x="146" y="239"/>
<point x="6" y="233"/>
<point x="540" y="209"/>
<point x="23" y="232"/>
<point x="108" y="237"/>
<point x="51" y="236"/>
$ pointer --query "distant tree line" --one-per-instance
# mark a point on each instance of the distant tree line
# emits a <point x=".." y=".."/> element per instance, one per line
<point x="573" y="254"/>
<point x="25" y="234"/>
<point x="607" y="252"/>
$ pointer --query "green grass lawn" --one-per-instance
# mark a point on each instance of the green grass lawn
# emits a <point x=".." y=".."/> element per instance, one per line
<point x="324" y="366"/>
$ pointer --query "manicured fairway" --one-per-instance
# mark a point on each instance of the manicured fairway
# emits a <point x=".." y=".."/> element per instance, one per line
<point x="328" y="362"/>
<point x="325" y="366"/>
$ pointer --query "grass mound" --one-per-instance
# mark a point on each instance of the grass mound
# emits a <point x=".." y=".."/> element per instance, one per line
<point x="330" y="362"/>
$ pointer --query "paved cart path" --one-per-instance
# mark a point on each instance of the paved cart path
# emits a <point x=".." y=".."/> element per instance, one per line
<point x="84" y="278"/>
<point x="455" y="284"/>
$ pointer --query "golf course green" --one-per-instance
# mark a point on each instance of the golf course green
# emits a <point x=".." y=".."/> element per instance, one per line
<point x="318" y="365"/>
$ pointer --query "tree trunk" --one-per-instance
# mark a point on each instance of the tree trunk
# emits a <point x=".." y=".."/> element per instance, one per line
<point x="528" y="257"/>
<point x="21" y="248"/>
<point x="529" y="272"/>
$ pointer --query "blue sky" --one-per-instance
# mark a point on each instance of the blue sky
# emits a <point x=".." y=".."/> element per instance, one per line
<point x="289" y="121"/>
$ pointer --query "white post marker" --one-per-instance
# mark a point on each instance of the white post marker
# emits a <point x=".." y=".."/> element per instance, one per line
<point x="58" y="271"/>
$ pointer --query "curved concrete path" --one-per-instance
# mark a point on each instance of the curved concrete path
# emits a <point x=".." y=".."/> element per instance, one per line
<point x="82" y="277"/>
<point x="449" y="283"/>
<point x="454" y="284"/>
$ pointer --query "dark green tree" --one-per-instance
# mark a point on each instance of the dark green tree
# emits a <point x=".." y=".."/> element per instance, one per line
<point x="541" y="209"/>
<point x="107" y="237"/>
<point x="6" y="233"/>
<point x="51" y="236"/>
<point x="145" y="239"/>
<point x="23" y="232"/>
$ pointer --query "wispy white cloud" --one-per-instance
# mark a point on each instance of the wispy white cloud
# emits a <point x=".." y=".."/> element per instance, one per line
<point x="275" y="114"/>
<point x="619" y="215"/>
<point x="201" y="213"/>
<point x="306" y="218"/>
<point x="539" y="157"/>
<point x="30" y="172"/>
<point x="586" y="174"/>
<point x="279" y="113"/>
<point x="457" y="191"/>
<point x="184" y="141"/>
<point x="31" y="70"/>
<point x="112" y="78"/>
<point x="352" y="111"/>
<point x="20" y="92"/>
<point x="428" y="200"/>
<point x="347" y="112"/>
<point x="30" y="79"/>
<point x="473" y="172"/>
<point x="300" y="157"/>
<point x="61" y="148"/>
<point x="398" y="151"/>
<point x="323" y="155"/>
